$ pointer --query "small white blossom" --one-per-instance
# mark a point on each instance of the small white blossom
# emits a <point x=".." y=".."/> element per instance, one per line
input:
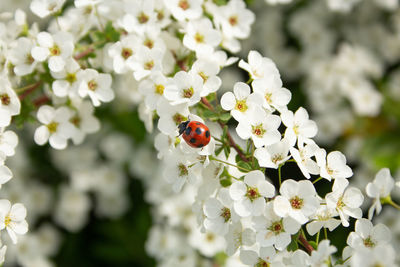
<point x="12" y="218"/>
<point x="346" y="201"/>
<point x="259" y="67"/>
<point x="96" y="85"/>
<point x="332" y="166"/>
<point x="378" y="189"/>
<point x="201" y="36"/>
<point x="273" y="94"/>
<point x="368" y="236"/>
<point x="186" y="88"/>
<point x="298" y="200"/>
<point x="249" y="196"/>
<point x="299" y="126"/>
<point x="44" y="8"/>
<point x="274" y="155"/>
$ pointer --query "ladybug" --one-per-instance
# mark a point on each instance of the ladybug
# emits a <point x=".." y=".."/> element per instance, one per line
<point x="195" y="133"/>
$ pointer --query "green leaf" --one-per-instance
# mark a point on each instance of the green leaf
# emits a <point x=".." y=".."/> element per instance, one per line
<point x="244" y="165"/>
<point x="218" y="150"/>
<point x="225" y="182"/>
<point x="227" y="150"/>
<point x="211" y="115"/>
<point x="112" y="35"/>
<point x="225" y="117"/>
<point x="293" y="244"/>
<point x="220" y="258"/>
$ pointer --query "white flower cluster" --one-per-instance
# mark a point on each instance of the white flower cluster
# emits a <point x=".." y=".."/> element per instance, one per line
<point x="219" y="201"/>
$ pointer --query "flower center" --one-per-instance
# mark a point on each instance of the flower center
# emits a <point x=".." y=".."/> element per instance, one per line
<point x="202" y="75"/>
<point x="226" y="214"/>
<point x="258" y="130"/>
<point x="149" y="43"/>
<point x="199" y="38"/>
<point x="126" y="52"/>
<point x="340" y="204"/>
<point x="7" y="220"/>
<point x="29" y="59"/>
<point x="92" y="85"/>
<point x="262" y="263"/>
<point x="233" y="20"/>
<point x="184" y="4"/>
<point x="149" y="65"/>
<point x="210" y="237"/>
<point x="296" y="129"/>
<point x="52" y="126"/>
<point x="71" y="78"/>
<point x="178" y="118"/>
<point x="188" y="93"/>
<point x="241" y="105"/>
<point x="183" y="171"/>
<point x="252" y="193"/>
<point x="5" y="99"/>
<point x="368" y="242"/>
<point x="276" y="227"/>
<point x="143" y="18"/>
<point x="55" y="50"/>
<point x="160" y="14"/>
<point x="268" y="98"/>
<point x="159" y="89"/>
<point x="276" y="158"/>
<point x="296" y="202"/>
<point x="76" y="120"/>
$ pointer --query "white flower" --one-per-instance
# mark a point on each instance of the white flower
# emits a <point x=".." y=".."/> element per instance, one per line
<point x="266" y="257"/>
<point x="234" y="19"/>
<point x="323" y="218"/>
<point x="140" y="17"/>
<point x="171" y="116"/>
<point x="56" y="129"/>
<point x="67" y="83"/>
<point x="249" y="196"/>
<point x="347" y="202"/>
<point x="274" y="155"/>
<point x="96" y="85"/>
<point x="368" y="236"/>
<point x="297" y="200"/>
<point x="57" y="48"/>
<point x="262" y="128"/>
<point x="207" y="243"/>
<point x="259" y="67"/>
<point x="303" y="155"/>
<point x="5" y="174"/>
<point x="122" y="52"/>
<point x="273" y="94"/>
<point x="8" y="142"/>
<point x="219" y="213"/>
<point x="20" y="56"/>
<point x="240" y="102"/>
<point x="153" y="89"/>
<point x="9" y="102"/>
<point x="238" y="236"/>
<point x="12" y="218"/>
<point x="299" y="126"/>
<point x="44" y="8"/>
<point x="179" y="169"/>
<point x="184" y="9"/>
<point x="322" y="255"/>
<point x="201" y="36"/>
<point x="273" y="230"/>
<point x="207" y="70"/>
<point x="383" y="255"/>
<point x="186" y="88"/>
<point x="378" y="189"/>
<point x="84" y="122"/>
<point x="332" y="166"/>
<point x="145" y="61"/>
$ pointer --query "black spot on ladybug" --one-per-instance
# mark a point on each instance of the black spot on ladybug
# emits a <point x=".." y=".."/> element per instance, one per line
<point x="198" y="123"/>
<point x="207" y="134"/>
<point x="200" y="145"/>
<point x="192" y="140"/>
<point x="188" y="130"/>
<point x="198" y="130"/>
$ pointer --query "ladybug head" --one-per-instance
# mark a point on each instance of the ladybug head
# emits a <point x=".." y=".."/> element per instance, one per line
<point x="182" y="127"/>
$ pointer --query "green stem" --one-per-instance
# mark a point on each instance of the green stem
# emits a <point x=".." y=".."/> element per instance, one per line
<point x="326" y="233"/>
<point x="280" y="174"/>
<point x="317" y="239"/>
<point x="319" y="178"/>
<point x="394" y="204"/>
<point x="233" y="165"/>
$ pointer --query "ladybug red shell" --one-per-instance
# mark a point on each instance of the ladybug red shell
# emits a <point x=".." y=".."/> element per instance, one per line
<point x="195" y="133"/>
